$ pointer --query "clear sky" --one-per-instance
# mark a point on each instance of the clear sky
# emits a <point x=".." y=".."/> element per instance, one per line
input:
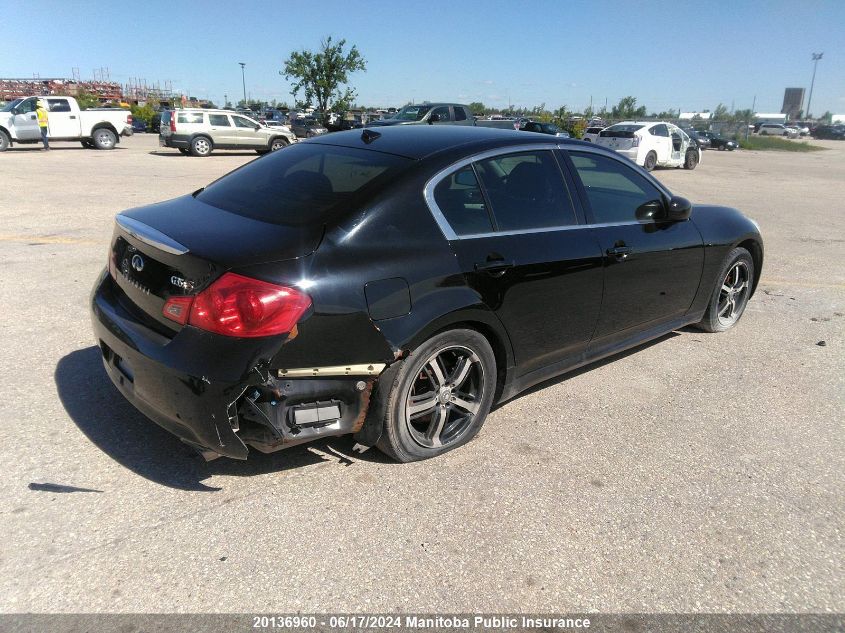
<point x="679" y="54"/>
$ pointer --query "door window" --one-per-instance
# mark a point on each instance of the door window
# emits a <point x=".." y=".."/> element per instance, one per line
<point x="617" y="193"/>
<point x="242" y="122"/>
<point x="660" y="130"/>
<point x="25" y="107"/>
<point x="189" y="117"/>
<point x="219" y="120"/>
<point x="526" y="191"/>
<point x="442" y="112"/>
<point x="460" y="200"/>
<point x="460" y="114"/>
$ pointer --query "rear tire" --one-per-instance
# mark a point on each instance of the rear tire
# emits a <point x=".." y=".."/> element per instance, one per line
<point x="650" y="161"/>
<point x="104" y="138"/>
<point x="691" y="160"/>
<point x="731" y="294"/>
<point x="201" y="146"/>
<point x="4" y="141"/>
<point x="440" y="397"/>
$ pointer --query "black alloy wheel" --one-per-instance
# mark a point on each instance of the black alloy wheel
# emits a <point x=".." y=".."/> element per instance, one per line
<point x="730" y="297"/>
<point x="440" y="397"/>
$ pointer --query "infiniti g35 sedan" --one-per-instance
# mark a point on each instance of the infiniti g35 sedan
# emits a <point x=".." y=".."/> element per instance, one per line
<point x="395" y="283"/>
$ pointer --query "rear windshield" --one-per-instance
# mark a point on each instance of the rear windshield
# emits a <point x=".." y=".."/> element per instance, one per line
<point x="303" y="184"/>
<point x="621" y="131"/>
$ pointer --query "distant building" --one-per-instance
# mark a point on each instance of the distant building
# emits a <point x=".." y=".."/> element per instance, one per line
<point x="793" y="102"/>
<point x="769" y="117"/>
<point x="838" y="118"/>
<point x="704" y="116"/>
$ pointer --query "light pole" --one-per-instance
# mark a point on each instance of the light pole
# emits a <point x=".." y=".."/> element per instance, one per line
<point x="243" y="79"/>
<point x="816" y="58"/>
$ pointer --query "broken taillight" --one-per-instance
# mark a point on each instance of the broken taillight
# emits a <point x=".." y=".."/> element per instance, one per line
<point x="235" y="305"/>
<point x="636" y="142"/>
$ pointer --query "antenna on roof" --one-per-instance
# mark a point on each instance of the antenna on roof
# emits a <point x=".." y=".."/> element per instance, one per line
<point x="368" y="136"/>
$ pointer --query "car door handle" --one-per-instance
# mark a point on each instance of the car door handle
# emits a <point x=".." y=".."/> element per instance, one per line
<point x="72" y="116"/>
<point x="32" y="116"/>
<point x="494" y="268"/>
<point x="619" y="252"/>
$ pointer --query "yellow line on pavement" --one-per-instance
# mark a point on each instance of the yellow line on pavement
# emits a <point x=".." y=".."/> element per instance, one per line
<point x="46" y="239"/>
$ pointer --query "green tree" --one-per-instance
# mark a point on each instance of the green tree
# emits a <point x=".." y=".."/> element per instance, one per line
<point x="476" y="107"/>
<point x="322" y="77"/>
<point x="720" y="113"/>
<point x="827" y="117"/>
<point x="143" y="113"/>
<point x="87" y="100"/>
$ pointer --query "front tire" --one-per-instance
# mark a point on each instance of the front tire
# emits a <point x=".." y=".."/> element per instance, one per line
<point x="201" y="146"/>
<point x="440" y="396"/>
<point x="278" y="143"/>
<point x="731" y="294"/>
<point x="691" y="160"/>
<point x="4" y="141"/>
<point x="650" y="161"/>
<point x="104" y="138"/>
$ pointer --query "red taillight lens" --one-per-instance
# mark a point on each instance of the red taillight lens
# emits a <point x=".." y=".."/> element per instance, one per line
<point x="235" y="305"/>
<point x="173" y="122"/>
<point x="129" y="119"/>
<point x="177" y="309"/>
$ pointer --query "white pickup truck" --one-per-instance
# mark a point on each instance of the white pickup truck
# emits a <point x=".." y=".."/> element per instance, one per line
<point x="99" y="128"/>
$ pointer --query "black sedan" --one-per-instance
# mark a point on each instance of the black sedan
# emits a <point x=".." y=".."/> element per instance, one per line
<point x="395" y="284"/>
<point x="718" y="142"/>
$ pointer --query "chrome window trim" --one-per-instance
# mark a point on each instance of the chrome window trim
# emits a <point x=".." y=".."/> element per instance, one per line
<point x="149" y="235"/>
<point x="449" y="233"/>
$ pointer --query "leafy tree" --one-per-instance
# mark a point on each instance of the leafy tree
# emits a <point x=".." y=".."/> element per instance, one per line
<point x="743" y="116"/>
<point x="143" y="113"/>
<point x="827" y="117"/>
<point x="87" y="100"/>
<point x="720" y="113"/>
<point x="322" y="76"/>
<point x="476" y="107"/>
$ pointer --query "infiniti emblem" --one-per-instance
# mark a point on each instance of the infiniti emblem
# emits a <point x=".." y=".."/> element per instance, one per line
<point x="137" y="262"/>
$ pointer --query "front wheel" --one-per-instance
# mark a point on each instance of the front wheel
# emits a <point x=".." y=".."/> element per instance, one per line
<point x="278" y="143"/>
<point x="4" y="141"/>
<point x="691" y="160"/>
<point x="440" y="396"/>
<point x="104" y="138"/>
<point x="733" y="289"/>
<point x="650" y="161"/>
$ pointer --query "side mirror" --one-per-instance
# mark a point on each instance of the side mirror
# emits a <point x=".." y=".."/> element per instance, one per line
<point x="258" y="127"/>
<point x="679" y="209"/>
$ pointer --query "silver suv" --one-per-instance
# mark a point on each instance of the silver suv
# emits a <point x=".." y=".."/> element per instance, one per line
<point x="199" y="132"/>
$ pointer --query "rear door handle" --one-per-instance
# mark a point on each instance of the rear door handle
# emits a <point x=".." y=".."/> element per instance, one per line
<point x="619" y="252"/>
<point x="494" y="268"/>
<point x="72" y="116"/>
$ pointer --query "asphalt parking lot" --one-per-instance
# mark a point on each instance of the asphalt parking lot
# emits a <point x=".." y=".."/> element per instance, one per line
<point x="703" y="472"/>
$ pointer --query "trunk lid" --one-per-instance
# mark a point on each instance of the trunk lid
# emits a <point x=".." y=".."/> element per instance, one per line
<point x="180" y="246"/>
<point x="619" y="137"/>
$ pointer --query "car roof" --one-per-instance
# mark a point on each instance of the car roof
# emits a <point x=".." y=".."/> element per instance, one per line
<point x="421" y="141"/>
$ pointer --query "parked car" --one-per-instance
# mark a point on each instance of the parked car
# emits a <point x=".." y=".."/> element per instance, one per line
<point x="777" y="129"/>
<point x="155" y="123"/>
<point x="803" y="128"/>
<point x="276" y="125"/>
<point x="431" y="114"/>
<point x="396" y="283"/>
<point x="307" y="128"/>
<point x="344" y="124"/>
<point x="591" y="134"/>
<point x="719" y="142"/>
<point x="199" y="132"/>
<point x="700" y="138"/>
<point x="95" y="128"/>
<point x="833" y="132"/>
<point x="652" y="144"/>
<point x="544" y="128"/>
<point x="139" y="125"/>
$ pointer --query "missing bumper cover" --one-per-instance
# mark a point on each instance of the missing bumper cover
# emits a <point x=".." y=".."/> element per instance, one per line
<point x="365" y="369"/>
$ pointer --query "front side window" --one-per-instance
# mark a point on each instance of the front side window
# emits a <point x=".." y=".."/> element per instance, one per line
<point x="219" y="120"/>
<point x="617" y="193"/>
<point x="459" y="198"/>
<point x="526" y="191"/>
<point x="25" y="107"/>
<point x="659" y="130"/>
<point x="442" y="112"/>
<point x="243" y="122"/>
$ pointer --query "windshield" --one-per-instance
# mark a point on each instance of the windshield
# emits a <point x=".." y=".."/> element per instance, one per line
<point x="412" y="113"/>
<point x="305" y="184"/>
<point x="8" y="107"/>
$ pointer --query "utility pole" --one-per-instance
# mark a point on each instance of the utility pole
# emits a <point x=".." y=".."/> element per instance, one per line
<point x="816" y="58"/>
<point x="243" y="79"/>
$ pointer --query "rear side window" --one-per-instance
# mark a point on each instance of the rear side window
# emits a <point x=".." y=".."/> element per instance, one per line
<point x="659" y="130"/>
<point x="617" y="193"/>
<point x="220" y="120"/>
<point x="305" y="184"/>
<point x="58" y="105"/>
<point x="460" y="114"/>
<point x="189" y="117"/>
<point x="459" y="198"/>
<point x="526" y="191"/>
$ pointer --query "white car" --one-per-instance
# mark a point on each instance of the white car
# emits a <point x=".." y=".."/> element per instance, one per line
<point x="651" y="144"/>
<point x="778" y="129"/>
<point x="591" y="134"/>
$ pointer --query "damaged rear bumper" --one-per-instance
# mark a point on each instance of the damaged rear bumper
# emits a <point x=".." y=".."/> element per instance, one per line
<point x="217" y="393"/>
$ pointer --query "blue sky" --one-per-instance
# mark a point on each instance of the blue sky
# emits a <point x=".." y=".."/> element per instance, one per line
<point x="680" y="54"/>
